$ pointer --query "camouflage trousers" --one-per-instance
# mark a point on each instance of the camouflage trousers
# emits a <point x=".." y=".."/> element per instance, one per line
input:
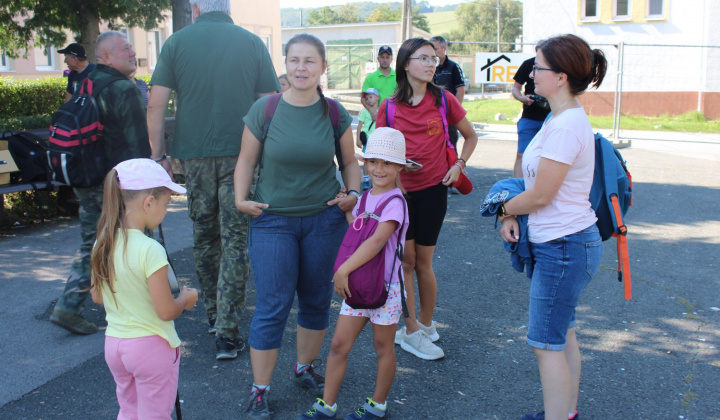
<point x="220" y="233"/>
<point x="73" y="298"/>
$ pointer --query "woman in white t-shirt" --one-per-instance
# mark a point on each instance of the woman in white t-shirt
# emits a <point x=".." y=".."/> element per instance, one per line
<point x="558" y="168"/>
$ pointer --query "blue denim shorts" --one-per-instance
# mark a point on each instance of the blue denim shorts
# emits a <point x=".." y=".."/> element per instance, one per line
<point x="563" y="268"/>
<point x="292" y="255"/>
<point x="526" y="129"/>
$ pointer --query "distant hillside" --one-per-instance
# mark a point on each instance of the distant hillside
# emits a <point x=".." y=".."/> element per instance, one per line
<point x="441" y="22"/>
<point x="290" y="17"/>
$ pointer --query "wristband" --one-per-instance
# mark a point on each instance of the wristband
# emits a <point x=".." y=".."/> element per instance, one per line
<point x="160" y="159"/>
<point x="463" y="161"/>
<point x="355" y="193"/>
<point x="458" y="165"/>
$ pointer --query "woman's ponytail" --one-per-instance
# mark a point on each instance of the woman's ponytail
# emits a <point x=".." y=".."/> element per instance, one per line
<point x="598" y="67"/>
<point x="326" y="107"/>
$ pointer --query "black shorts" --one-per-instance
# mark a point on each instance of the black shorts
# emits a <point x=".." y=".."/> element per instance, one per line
<point x="426" y="209"/>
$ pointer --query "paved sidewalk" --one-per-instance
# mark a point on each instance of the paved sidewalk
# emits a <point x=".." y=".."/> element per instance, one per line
<point x="655" y="357"/>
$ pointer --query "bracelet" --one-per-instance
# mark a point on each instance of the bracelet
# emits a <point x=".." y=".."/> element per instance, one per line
<point x="160" y="159"/>
<point x="458" y="165"/>
<point x="463" y="161"/>
<point x="355" y="193"/>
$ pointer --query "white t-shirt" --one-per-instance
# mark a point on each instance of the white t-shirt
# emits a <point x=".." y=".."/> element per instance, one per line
<point x="567" y="139"/>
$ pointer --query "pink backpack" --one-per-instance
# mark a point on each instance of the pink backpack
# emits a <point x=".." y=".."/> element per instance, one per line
<point x="367" y="284"/>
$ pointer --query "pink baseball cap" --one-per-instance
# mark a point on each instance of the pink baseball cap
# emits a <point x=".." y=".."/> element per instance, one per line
<point x="143" y="174"/>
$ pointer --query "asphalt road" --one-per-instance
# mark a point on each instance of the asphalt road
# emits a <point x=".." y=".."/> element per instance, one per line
<point x="655" y="357"/>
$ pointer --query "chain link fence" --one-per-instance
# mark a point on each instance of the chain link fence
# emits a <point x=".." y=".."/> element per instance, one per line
<point x="641" y="79"/>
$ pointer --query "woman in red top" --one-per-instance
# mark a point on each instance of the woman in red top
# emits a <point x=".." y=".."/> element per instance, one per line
<point x="418" y="117"/>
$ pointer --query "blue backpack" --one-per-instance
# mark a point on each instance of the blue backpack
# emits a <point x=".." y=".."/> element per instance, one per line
<point x="611" y="197"/>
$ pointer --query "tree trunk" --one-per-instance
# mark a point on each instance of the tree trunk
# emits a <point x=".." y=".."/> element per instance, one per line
<point x="182" y="14"/>
<point x="90" y="30"/>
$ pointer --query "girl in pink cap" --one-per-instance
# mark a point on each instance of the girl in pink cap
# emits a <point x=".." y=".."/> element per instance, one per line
<point x="129" y="276"/>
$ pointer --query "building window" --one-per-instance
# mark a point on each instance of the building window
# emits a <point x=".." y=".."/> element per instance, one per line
<point x="266" y="40"/>
<point x="621" y="9"/>
<point x="655" y="9"/>
<point x="590" y="10"/>
<point x="154" y="46"/>
<point x="4" y="62"/>
<point x="44" y="58"/>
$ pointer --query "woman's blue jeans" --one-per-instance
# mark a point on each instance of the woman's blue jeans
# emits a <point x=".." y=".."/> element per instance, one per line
<point x="563" y="268"/>
<point x="292" y="255"/>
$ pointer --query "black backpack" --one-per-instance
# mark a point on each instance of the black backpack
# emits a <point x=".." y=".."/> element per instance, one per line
<point x="29" y="153"/>
<point x="76" y="153"/>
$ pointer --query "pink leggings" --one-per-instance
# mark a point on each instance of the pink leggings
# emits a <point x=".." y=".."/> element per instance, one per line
<point x="146" y="374"/>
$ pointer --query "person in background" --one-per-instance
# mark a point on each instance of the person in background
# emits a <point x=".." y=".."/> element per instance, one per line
<point x="284" y="84"/>
<point x="211" y="103"/>
<point x="125" y="136"/>
<point x="366" y="125"/>
<point x="533" y="114"/>
<point x="449" y="76"/>
<point x="76" y="60"/>
<point x="140" y="83"/>
<point x="382" y="79"/>
<point x="558" y="167"/>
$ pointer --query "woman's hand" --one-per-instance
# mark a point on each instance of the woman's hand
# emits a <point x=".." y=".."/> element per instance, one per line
<point x="344" y="201"/>
<point x="341" y="285"/>
<point x="510" y="230"/>
<point x="452" y="175"/>
<point x="251" y="208"/>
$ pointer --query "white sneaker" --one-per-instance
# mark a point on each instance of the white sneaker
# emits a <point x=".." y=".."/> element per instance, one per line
<point x="419" y="344"/>
<point x="400" y="335"/>
<point x="431" y="331"/>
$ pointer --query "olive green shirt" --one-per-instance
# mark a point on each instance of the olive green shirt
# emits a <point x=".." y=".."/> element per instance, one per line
<point x="216" y="68"/>
<point x="298" y="158"/>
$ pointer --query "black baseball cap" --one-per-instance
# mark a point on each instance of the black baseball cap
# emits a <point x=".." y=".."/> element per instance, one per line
<point x="385" y="49"/>
<point x="75" y="49"/>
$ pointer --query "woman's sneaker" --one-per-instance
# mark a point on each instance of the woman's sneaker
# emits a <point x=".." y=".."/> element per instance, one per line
<point x="258" y="408"/>
<point x="431" y="331"/>
<point x="419" y="344"/>
<point x="368" y="411"/>
<point x="319" y="410"/>
<point x="308" y="378"/>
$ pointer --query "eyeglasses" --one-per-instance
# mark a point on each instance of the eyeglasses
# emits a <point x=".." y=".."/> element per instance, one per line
<point x="536" y="68"/>
<point x="428" y="61"/>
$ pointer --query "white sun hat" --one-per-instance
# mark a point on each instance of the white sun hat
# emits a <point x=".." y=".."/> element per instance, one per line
<point x="385" y="143"/>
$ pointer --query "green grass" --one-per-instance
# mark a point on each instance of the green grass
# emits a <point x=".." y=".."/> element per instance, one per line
<point x="484" y="110"/>
<point x="441" y="22"/>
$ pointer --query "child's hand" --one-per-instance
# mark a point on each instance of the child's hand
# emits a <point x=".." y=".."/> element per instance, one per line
<point x="341" y="285"/>
<point x="189" y="296"/>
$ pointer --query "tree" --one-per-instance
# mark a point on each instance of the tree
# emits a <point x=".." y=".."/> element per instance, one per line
<point x="328" y="16"/>
<point x="477" y="22"/>
<point x="386" y="13"/>
<point x="181" y="14"/>
<point x="25" y="23"/>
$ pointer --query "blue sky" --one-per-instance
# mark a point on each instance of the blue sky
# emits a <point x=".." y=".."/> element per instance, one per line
<point x="321" y="3"/>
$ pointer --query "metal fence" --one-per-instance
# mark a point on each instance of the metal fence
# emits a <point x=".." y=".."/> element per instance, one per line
<point x="642" y="79"/>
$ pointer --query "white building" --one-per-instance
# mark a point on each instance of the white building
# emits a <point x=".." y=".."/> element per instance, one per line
<point x="352" y="48"/>
<point x="662" y="48"/>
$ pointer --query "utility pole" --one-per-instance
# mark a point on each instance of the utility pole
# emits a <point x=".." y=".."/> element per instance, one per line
<point x="498" y="25"/>
<point x="406" y="17"/>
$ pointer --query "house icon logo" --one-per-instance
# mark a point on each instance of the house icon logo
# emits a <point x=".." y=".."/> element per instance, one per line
<point x="487" y="68"/>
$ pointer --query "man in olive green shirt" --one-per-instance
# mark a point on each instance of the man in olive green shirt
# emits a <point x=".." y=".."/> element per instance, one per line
<point x="216" y="69"/>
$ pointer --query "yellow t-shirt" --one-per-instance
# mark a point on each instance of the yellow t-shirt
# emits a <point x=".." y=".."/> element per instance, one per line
<point x="131" y="314"/>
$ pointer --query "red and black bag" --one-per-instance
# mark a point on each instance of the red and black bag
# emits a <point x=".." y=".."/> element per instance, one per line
<point x="368" y="285"/>
<point x="76" y="153"/>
